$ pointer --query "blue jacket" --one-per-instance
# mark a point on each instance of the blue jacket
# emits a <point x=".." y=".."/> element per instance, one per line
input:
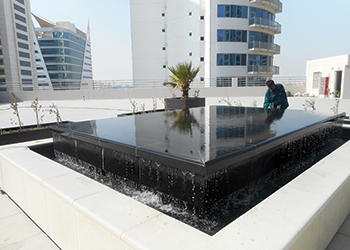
<point x="275" y="98"/>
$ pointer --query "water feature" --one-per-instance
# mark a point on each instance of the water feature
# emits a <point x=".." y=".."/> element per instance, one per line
<point x="205" y="166"/>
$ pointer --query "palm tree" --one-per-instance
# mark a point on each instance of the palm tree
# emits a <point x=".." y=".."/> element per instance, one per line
<point x="183" y="75"/>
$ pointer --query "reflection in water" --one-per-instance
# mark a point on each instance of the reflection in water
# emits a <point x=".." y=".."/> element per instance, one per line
<point x="184" y="121"/>
<point x="273" y="114"/>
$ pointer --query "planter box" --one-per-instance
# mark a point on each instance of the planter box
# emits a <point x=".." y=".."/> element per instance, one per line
<point x="29" y="133"/>
<point x="178" y="103"/>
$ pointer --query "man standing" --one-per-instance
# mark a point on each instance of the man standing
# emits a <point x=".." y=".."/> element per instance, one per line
<point x="275" y="96"/>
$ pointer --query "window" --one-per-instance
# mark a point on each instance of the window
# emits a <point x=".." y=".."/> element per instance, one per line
<point x="41" y="76"/>
<point x="163" y="30"/>
<point x="316" y="80"/>
<point x="163" y="14"/>
<point x="26" y="72"/>
<point x="27" y="81"/>
<point x="190" y="13"/>
<point x="20" y="9"/>
<point x="190" y="54"/>
<point x="20" y="1"/>
<point x="202" y="38"/>
<point x="23" y="45"/>
<point x="21" y="36"/>
<point x="37" y="60"/>
<point x="232" y="36"/>
<point x="164" y="66"/>
<point x="231" y="59"/>
<point x="202" y="17"/>
<point x="233" y="11"/>
<point x="39" y="68"/>
<point x="20" y="18"/>
<point x="24" y="63"/>
<point x="24" y="54"/>
<point x="190" y="34"/>
<point x="260" y="13"/>
<point x="202" y="59"/>
<point x="2" y="72"/>
<point x="202" y="79"/>
<point x="21" y="27"/>
<point x="163" y="48"/>
<point x="28" y="89"/>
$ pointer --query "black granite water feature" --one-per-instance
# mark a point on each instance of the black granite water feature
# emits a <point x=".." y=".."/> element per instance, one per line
<point x="200" y="155"/>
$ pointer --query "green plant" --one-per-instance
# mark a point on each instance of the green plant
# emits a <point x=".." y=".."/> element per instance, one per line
<point x="182" y="76"/>
<point x="14" y="106"/>
<point x="37" y="108"/>
<point x="54" y="110"/>
<point x="310" y="104"/>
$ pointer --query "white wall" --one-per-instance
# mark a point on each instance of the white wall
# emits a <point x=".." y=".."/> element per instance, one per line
<point x="328" y="67"/>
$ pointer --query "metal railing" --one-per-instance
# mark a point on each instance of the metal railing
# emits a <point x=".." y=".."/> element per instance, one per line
<point x="263" y="70"/>
<point x="263" y="46"/>
<point x="274" y="4"/>
<point x="266" y="23"/>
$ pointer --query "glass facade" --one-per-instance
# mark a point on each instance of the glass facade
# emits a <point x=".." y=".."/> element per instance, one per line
<point x="63" y="53"/>
<point x="260" y="13"/>
<point x="232" y="36"/>
<point x="231" y="59"/>
<point x="20" y="18"/>
<point x="233" y="11"/>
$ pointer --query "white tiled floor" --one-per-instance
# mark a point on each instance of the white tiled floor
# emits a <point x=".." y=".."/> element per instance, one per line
<point x="17" y="231"/>
<point x="341" y="241"/>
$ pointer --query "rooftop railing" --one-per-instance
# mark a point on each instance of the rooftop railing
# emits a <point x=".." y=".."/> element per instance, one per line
<point x="273" y="4"/>
<point x="263" y="46"/>
<point x="265" y="23"/>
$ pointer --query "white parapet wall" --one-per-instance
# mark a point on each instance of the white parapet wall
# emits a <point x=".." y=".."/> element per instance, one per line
<point x="80" y="213"/>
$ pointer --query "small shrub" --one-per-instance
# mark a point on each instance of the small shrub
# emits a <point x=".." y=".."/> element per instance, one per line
<point x="37" y="108"/>
<point x="310" y="104"/>
<point x="54" y="110"/>
<point x="14" y="106"/>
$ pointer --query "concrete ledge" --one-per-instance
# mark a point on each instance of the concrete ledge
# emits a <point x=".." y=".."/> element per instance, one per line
<point x="79" y="213"/>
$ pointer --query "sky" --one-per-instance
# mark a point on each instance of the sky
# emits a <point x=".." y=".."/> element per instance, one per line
<point x="311" y="29"/>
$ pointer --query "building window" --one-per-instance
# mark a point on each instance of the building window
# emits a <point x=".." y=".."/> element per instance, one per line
<point x="260" y="13"/>
<point x="224" y="82"/>
<point x="26" y="72"/>
<point x="190" y="13"/>
<point x="163" y="48"/>
<point x="202" y="38"/>
<point x="202" y="17"/>
<point x="20" y="9"/>
<point x="202" y="79"/>
<point x="190" y="34"/>
<point x="163" y="14"/>
<point x="231" y="59"/>
<point x="260" y="60"/>
<point x="190" y="54"/>
<point x="23" y="54"/>
<point x="21" y="36"/>
<point x="27" y="81"/>
<point x="20" y="1"/>
<point x="39" y="68"/>
<point x="232" y="36"/>
<point x="28" y="89"/>
<point x="20" y="18"/>
<point x="233" y="11"/>
<point x="2" y="72"/>
<point x="38" y="60"/>
<point x="164" y="66"/>
<point x="202" y="59"/>
<point x="163" y="30"/>
<point x="41" y="76"/>
<point x="21" y="27"/>
<point x="24" y="63"/>
<point x="23" y="45"/>
<point x="316" y="80"/>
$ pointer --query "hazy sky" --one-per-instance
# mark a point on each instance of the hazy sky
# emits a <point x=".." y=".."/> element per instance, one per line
<point x="311" y="29"/>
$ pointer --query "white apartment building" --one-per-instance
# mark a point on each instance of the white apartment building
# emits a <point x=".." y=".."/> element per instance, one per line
<point x="329" y="77"/>
<point x="17" y="58"/>
<point x="231" y="40"/>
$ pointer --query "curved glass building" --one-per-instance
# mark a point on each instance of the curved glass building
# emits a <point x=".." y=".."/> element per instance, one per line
<point x="63" y="56"/>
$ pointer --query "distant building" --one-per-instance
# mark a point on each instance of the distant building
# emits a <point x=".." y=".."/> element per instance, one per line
<point x="63" y="56"/>
<point x="232" y="41"/>
<point x="329" y="76"/>
<point x="17" y="58"/>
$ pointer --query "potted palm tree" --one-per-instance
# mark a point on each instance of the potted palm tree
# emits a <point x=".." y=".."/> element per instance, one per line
<point x="182" y="76"/>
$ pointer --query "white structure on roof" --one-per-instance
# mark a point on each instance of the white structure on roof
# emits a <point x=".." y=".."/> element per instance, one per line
<point x="232" y="41"/>
<point x="329" y="76"/>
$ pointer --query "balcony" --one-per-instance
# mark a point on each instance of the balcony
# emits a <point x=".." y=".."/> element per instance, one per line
<point x="274" y="5"/>
<point x="264" y="23"/>
<point x="264" y="47"/>
<point x="263" y="70"/>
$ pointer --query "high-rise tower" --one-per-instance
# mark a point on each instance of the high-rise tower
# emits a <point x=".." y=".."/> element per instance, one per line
<point x="17" y="58"/>
<point x="232" y="41"/>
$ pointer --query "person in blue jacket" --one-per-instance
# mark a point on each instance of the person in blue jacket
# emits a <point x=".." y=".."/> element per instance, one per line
<point x="275" y="97"/>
